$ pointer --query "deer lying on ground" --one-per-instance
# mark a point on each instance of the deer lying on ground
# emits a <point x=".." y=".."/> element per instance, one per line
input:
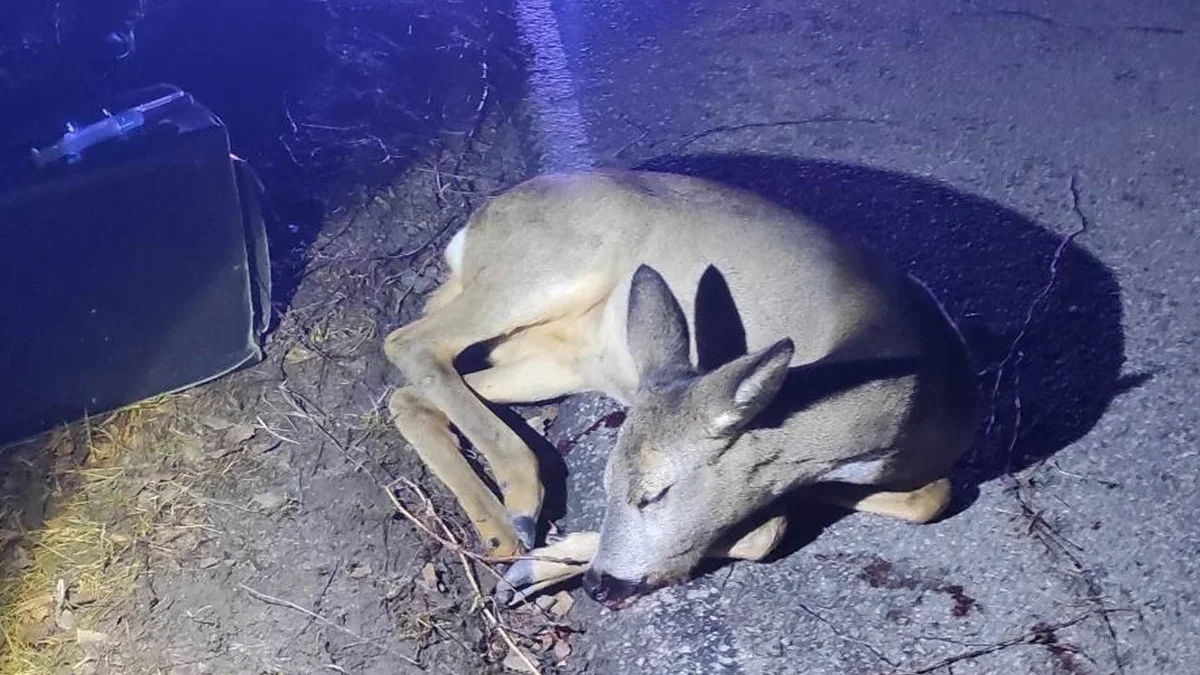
<point x="843" y="380"/>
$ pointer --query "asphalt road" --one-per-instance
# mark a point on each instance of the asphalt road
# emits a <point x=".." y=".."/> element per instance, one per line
<point x="966" y="140"/>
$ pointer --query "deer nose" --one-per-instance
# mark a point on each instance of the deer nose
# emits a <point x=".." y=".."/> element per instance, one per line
<point x="607" y="589"/>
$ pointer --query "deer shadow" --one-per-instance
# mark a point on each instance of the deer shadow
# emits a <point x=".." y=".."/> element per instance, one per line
<point x="1041" y="315"/>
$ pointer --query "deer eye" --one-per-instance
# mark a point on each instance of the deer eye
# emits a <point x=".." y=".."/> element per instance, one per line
<point x="647" y="500"/>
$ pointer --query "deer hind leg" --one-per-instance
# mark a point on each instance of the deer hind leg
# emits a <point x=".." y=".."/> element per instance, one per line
<point x="756" y="544"/>
<point x="539" y="363"/>
<point x="425" y="351"/>
<point x="921" y="505"/>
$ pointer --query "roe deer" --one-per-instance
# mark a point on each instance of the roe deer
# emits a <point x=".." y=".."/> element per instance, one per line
<point x="844" y="381"/>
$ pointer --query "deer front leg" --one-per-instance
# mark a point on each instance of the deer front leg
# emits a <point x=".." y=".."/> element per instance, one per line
<point x="570" y="556"/>
<point x="439" y="386"/>
<point x="425" y="351"/>
<point x="549" y="565"/>
<point x="428" y="432"/>
<point x="756" y="544"/>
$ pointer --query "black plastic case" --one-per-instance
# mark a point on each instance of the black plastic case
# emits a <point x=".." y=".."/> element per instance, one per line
<point x="134" y="268"/>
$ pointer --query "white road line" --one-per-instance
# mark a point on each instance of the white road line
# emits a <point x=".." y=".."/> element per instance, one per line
<point x="557" y="118"/>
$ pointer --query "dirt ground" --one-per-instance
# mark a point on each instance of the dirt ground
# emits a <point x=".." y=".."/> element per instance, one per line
<point x="252" y="525"/>
<point x="249" y="519"/>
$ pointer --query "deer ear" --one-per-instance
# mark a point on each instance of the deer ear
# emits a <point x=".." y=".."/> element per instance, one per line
<point x="737" y="391"/>
<point x="656" y="330"/>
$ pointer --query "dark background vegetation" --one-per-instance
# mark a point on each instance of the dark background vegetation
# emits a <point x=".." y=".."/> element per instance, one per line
<point x="319" y="96"/>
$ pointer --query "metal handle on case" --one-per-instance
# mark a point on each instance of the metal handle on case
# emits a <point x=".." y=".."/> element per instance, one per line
<point x="72" y="144"/>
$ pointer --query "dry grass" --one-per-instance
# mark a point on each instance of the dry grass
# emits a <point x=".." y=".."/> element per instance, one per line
<point x="113" y="495"/>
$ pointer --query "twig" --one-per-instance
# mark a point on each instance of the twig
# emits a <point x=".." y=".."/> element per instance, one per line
<point x="1014" y="347"/>
<point x="1110" y="484"/>
<point x="1054" y="542"/>
<point x="280" y="602"/>
<point x="453" y="544"/>
<point x="456" y="176"/>
<point x="287" y="112"/>
<point x="290" y="153"/>
<point x="469" y="571"/>
<point x="1051" y="23"/>
<point x="267" y="428"/>
<point x="302" y="410"/>
<point x="316" y="605"/>
<point x="1033" y="636"/>
<point x="1010" y="13"/>
<point x="401" y="254"/>
<point x="625" y="148"/>
<point x="483" y="98"/>
<point x="432" y="623"/>
<point x="327" y="127"/>
<point x="781" y="124"/>
<point x="1153" y="30"/>
<point x="459" y="549"/>
<point x="372" y="138"/>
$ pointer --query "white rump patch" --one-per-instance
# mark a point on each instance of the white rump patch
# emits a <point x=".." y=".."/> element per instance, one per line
<point x="456" y="249"/>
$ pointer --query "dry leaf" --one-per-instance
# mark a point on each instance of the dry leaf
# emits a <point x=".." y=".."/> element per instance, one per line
<point x="545" y="640"/>
<point x="84" y="597"/>
<point x="215" y="423"/>
<point x="238" y="434"/>
<point x="269" y="501"/>
<point x="208" y="562"/>
<point x="297" y="354"/>
<point x="65" y="619"/>
<point x="37" y="626"/>
<point x="562" y="649"/>
<point x="193" y="450"/>
<point x="41" y="607"/>
<point x="429" y="577"/>
<point x="563" y="602"/>
<point x="90" y="637"/>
